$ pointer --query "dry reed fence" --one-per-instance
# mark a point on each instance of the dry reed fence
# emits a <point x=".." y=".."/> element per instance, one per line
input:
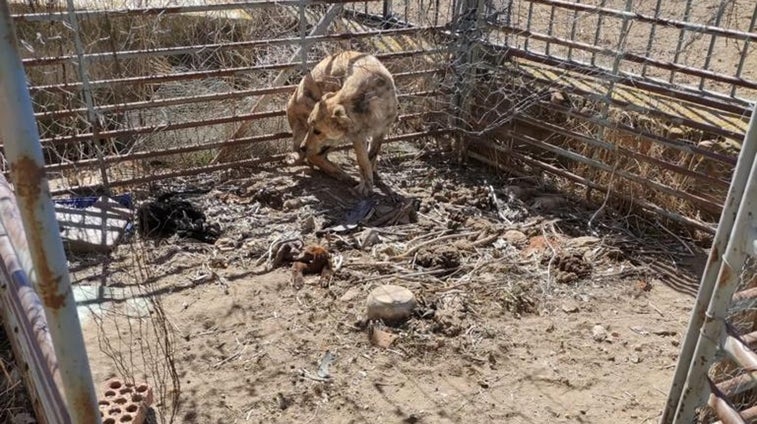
<point x="637" y="105"/>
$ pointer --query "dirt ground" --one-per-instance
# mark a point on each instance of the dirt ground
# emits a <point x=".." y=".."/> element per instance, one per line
<point x="523" y="315"/>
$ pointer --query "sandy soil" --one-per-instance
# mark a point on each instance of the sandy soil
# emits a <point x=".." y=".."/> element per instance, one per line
<point x="506" y="330"/>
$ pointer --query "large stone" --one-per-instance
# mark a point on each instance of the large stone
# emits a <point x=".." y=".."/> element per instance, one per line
<point x="390" y="303"/>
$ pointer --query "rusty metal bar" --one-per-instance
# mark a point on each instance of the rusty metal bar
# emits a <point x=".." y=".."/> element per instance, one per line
<point x="147" y="11"/>
<point x="236" y="164"/>
<point x="528" y="24"/>
<point x="24" y="317"/>
<point x="711" y="47"/>
<point x="724" y="410"/>
<point x="550" y="28"/>
<point x="680" y="146"/>
<point x="750" y="339"/>
<point x="688" y="26"/>
<point x="196" y="48"/>
<point x="172" y="101"/>
<point x="747" y="359"/>
<point x="66" y="87"/>
<point x="738" y="384"/>
<point x="650" y="184"/>
<point x="721" y="102"/>
<point x="192" y="124"/>
<point x="598" y="31"/>
<point x="748" y="415"/>
<point x="631" y="57"/>
<point x="82" y="69"/>
<point x="683" y="220"/>
<point x="23" y="150"/>
<point x="156" y="128"/>
<point x="652" y="31"/>
<point x="113" y="159"/>
<point x="134" y="156"/>
<point x="730" y="248"/>
<point x="681" y="33"/>
<point x="643" y="110"/>
<point x="748" y="294"/>
<point x="573" y="31"/>
<point x="745" y="50"/>
<point x="621" y="150"/>
<point x="183" y="100"/>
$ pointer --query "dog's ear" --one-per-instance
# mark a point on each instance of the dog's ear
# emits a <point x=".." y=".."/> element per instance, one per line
<point x="340" y="115"/>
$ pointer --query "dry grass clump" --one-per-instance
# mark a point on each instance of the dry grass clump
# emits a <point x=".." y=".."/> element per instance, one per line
<point x="632" y="165"/>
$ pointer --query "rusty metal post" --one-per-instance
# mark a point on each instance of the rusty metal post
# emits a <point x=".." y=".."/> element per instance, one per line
<point x="706" y="330"/>
<point x="20" y="135"/>
<point x="92" y="116"/>
<point x="24" y="316"/>
<point x="465" y="61"/>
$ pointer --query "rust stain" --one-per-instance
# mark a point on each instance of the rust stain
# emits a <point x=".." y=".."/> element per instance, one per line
<point x="725" y="276"/>
<point x="28" y="179"/>
<point x="82" y="402"/>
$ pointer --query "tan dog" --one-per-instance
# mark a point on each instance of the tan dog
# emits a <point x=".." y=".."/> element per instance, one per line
<point x="348" y="96"/>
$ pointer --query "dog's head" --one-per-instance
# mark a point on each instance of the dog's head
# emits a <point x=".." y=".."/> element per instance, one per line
<point x="327" y="125"/>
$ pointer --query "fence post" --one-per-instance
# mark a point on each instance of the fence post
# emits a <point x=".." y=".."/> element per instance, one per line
<point x="468" y="21"/>
<point x="729" y="249"/>
<point x="24" y="316"/>
<point x="20" y="135"/>
<point x="92" y="115"/>
<point x="387" y="10"/>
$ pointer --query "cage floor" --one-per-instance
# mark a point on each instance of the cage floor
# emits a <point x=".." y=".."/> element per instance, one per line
<point x="523" y="315"/>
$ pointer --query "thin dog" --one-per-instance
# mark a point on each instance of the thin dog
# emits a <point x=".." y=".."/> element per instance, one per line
<point x="348" y="96"/>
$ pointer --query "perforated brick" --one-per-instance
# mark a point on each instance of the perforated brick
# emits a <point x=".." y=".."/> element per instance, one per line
<point x="124" y="402"/>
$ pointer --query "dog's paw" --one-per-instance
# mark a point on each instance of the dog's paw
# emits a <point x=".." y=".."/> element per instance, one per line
<point x="364" y="189"/>
<point x="294" y="159"/>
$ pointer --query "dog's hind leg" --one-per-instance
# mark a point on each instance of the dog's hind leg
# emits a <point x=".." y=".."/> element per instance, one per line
<point x="373" y="152"/>
<point x="366" y="169"/>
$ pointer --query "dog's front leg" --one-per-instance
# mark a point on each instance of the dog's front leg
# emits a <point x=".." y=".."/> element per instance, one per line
<point x="366" y="169"/>
<point x="330" y="168"/>
<point x="299" y="125"/>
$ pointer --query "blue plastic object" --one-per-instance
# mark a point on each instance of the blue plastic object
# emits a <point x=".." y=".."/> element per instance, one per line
<point x="124" y="200"/>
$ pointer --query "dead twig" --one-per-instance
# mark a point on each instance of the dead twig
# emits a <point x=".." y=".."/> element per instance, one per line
<point x="487" y="240"/>
<point x="407" y="275"/>
<point x="434" y="241"/>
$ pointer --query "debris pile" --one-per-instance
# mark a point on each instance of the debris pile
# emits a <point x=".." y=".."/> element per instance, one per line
<point x="169" y="215"/>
